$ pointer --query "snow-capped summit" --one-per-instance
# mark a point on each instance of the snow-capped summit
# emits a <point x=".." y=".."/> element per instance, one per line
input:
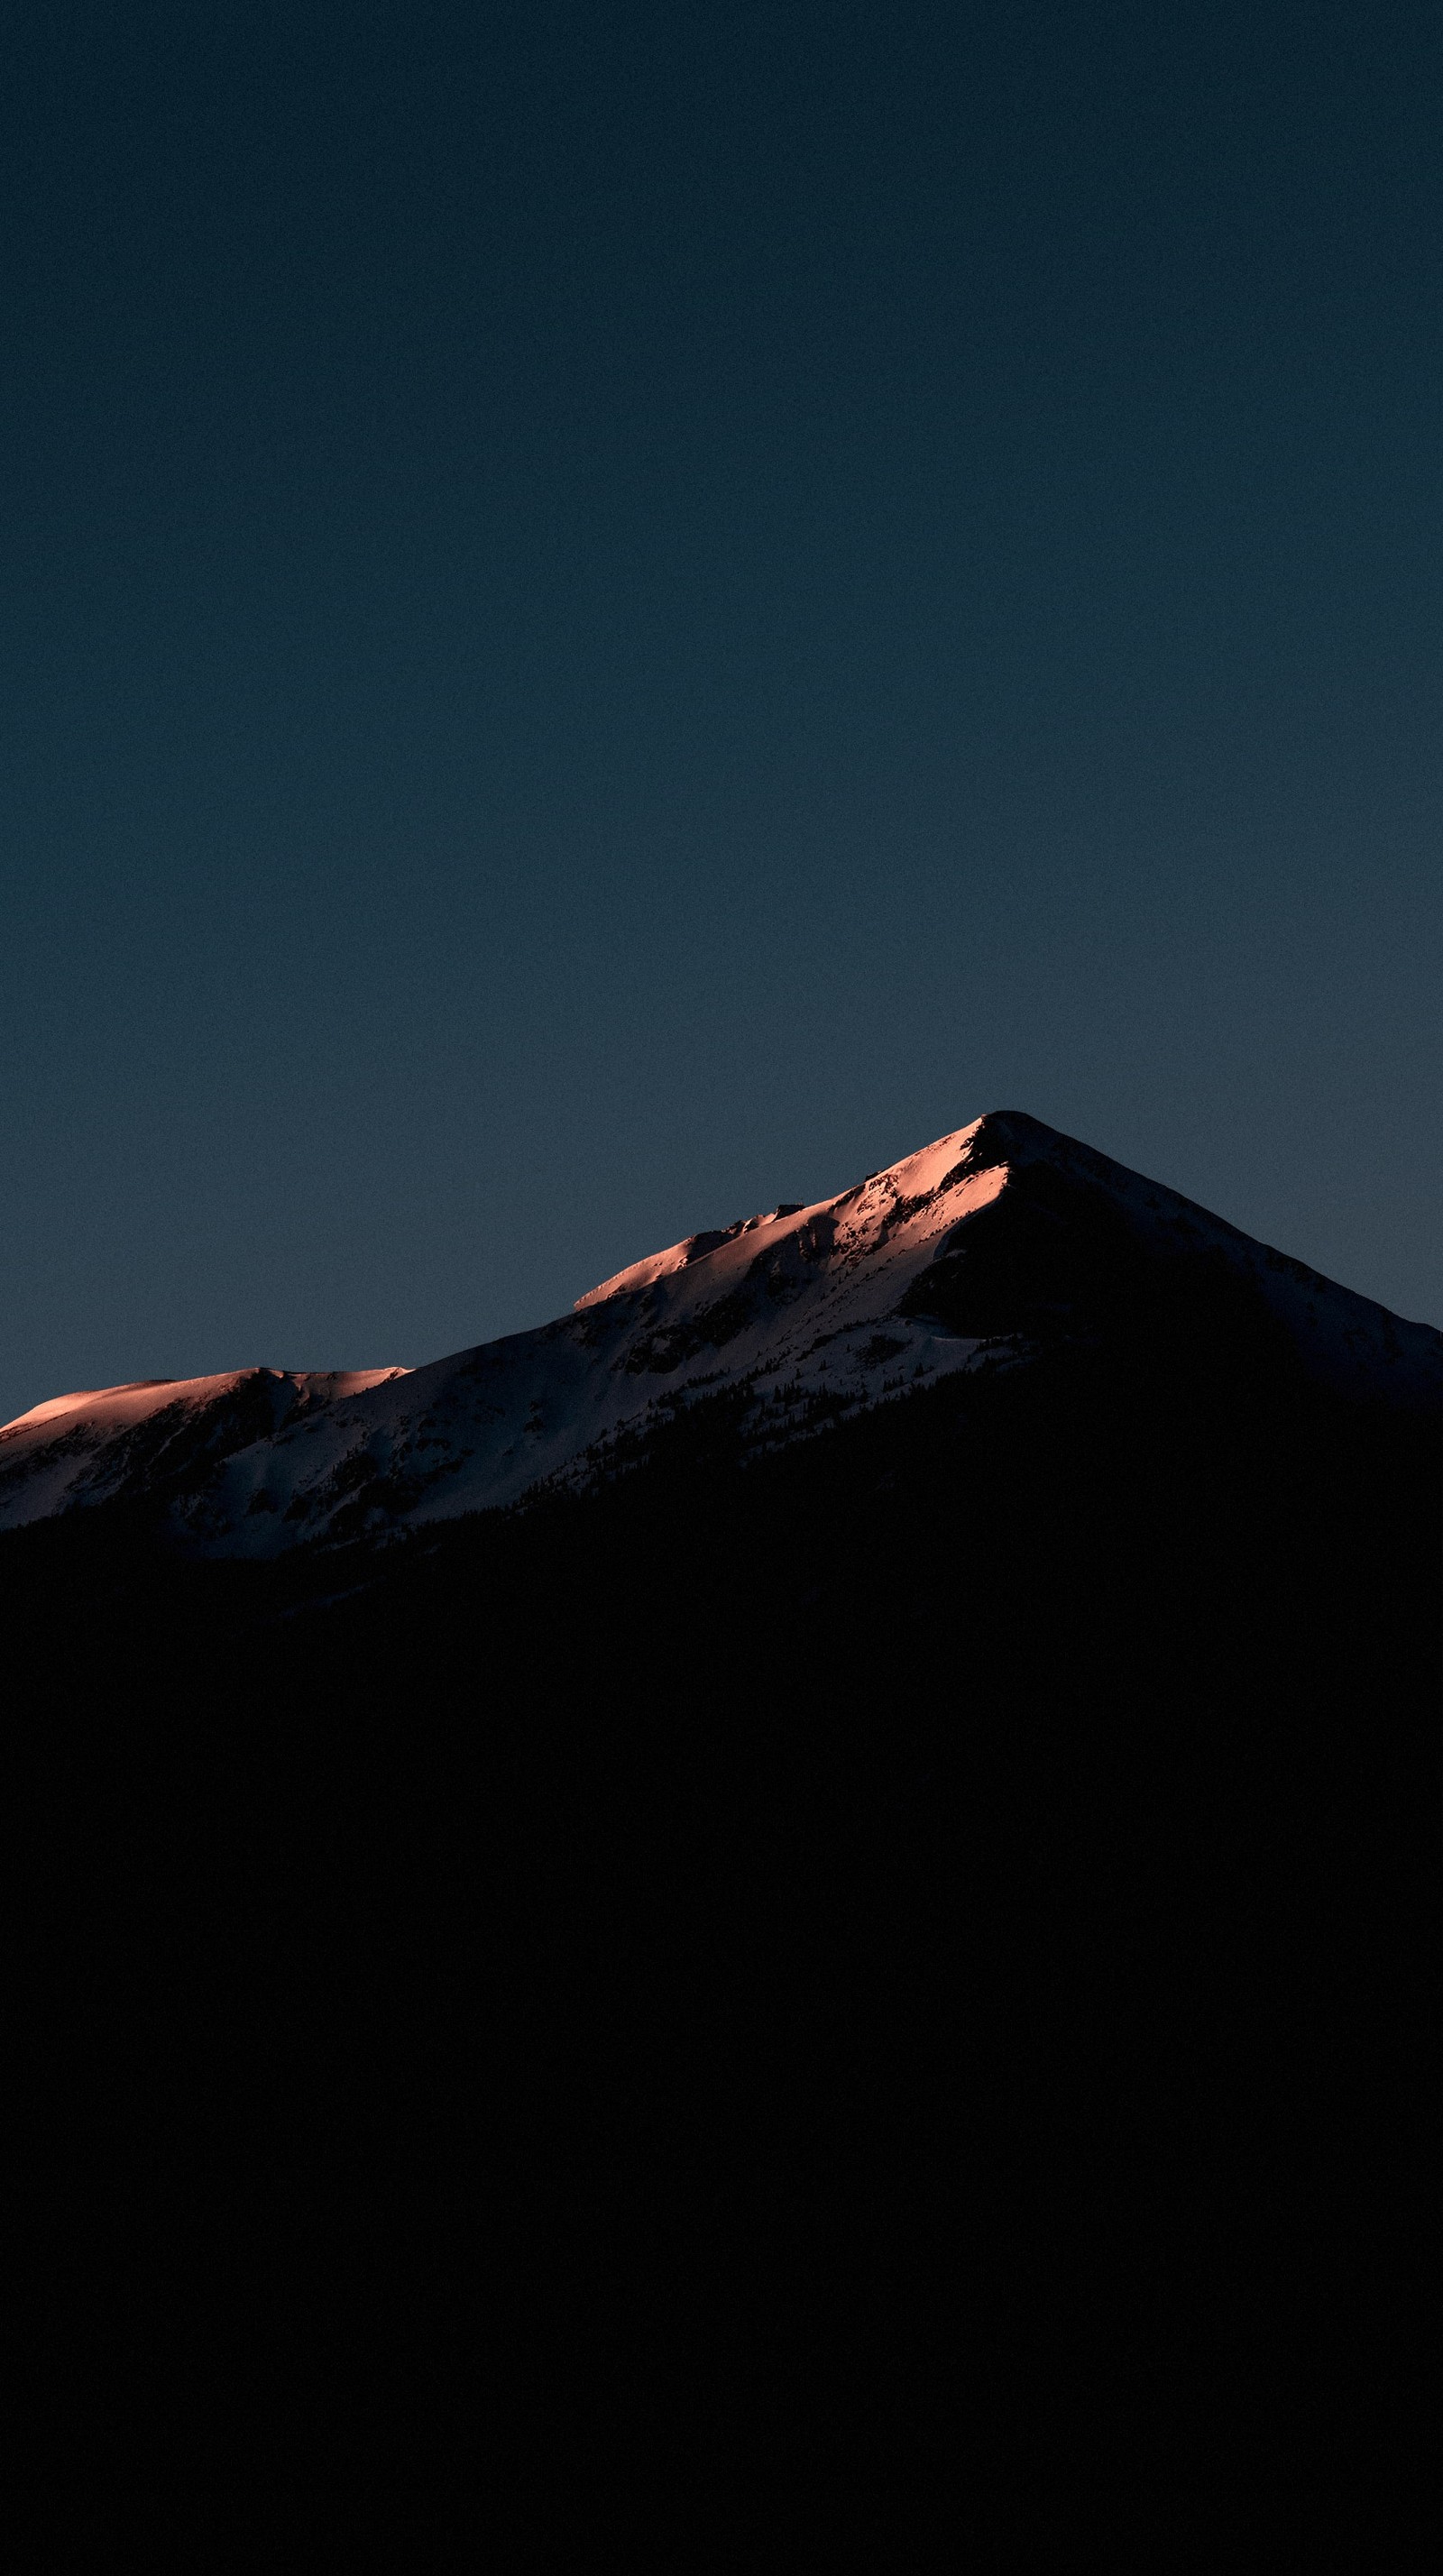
<point x="982" y="1247"/>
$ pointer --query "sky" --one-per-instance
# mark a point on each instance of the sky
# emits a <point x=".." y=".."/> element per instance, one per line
<point x="613" y="614"/>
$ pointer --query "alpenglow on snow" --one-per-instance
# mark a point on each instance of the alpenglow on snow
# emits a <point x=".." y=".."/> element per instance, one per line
<point x="970" y="1254"/>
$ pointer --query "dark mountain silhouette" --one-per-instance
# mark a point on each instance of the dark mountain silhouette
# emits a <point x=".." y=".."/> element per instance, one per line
<point x="859" y="1911"/>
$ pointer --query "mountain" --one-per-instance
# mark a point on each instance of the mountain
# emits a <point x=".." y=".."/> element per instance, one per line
<point x="888" y="1903"/>
<point x="997" y="1243"/>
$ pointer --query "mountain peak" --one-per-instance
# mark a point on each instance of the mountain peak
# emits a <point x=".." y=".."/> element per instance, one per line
<point x="916" y="1177"/>
<point x="995" y="1240"/>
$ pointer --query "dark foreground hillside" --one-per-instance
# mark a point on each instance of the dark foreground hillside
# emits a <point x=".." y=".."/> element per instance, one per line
<point x="858" y="2007"/>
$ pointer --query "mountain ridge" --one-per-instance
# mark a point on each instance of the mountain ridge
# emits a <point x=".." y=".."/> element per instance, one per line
<point x="974" y="1252"/>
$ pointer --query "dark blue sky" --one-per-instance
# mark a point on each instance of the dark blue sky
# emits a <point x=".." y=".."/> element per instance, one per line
<point x="613" y="614"/>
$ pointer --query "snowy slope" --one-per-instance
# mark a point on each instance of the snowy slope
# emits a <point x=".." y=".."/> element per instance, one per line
<point x="966" y="1253"/>
<point x="116" y="1441"/>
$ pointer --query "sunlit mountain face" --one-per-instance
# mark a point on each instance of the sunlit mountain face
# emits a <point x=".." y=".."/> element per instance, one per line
<point x="989" y="1252"/>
